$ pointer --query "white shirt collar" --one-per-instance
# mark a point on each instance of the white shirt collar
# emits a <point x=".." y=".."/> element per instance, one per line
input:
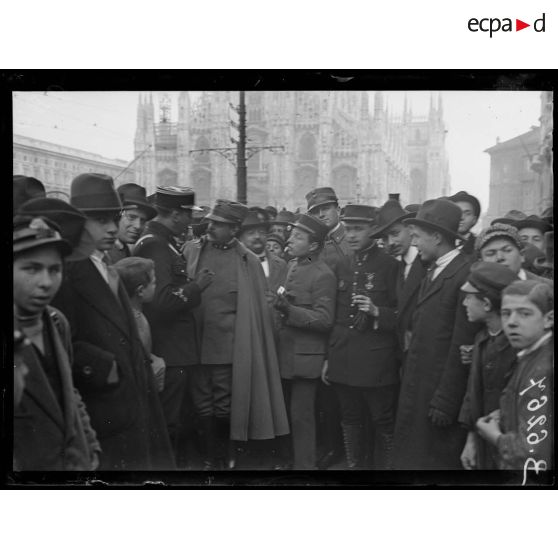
<point x="535" y="346"/>
<point x="410" y="255"/>
<point x="522" y="275"/>
<point x="443" y="261"/>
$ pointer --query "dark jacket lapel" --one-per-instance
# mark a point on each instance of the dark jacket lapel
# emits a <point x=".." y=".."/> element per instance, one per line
<point x="447" y="273"/>
<point x="411" y="285"/>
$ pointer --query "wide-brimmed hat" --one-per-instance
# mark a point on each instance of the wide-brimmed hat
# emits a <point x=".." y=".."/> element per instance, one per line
<point x="94" y="193"/>
<point x="172" y="197"/>
<point x="488" y="277"/>
<point x="441" y="215"/>
<point x="227" y="211"/>
<point x="388" y="215"/>
<point x="463" y="196"/>
<point x="253" y="220"/>
<point x="320" y="196"/>
<point x="133" y="196"/>
<point x="533" y="222"/>
<point x="26" y="188"/>
<point x="358" y="212"/>
<point x="510" y="218"/>
<point x="310" y="224"/>
<point x="31" y="232"/>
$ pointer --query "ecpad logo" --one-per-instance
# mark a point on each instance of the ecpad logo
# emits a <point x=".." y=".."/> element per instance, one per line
<point x="494" y="24"/>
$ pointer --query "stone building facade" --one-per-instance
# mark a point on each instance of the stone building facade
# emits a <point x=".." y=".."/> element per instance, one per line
<point x="56" y="165"/>
<point x="321" y="138"/>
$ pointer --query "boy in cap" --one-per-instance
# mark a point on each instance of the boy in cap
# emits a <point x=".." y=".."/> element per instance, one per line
<point x="521" y="430"/>
<point x="136" y="211"/>
<point x="111" y="369"/>
<point x="532" y="230"/>
<point x="52" y="430"/>
<point x="492" y="357"/>
<point x="170" y="313"/>
<point x="307" y="306"/>
<point x="362" y="360"/>
<point x="237" y="388"/>
<point x="281" y="224"/>
<point x="470" y="213"/>
<point x="427" y="435"/>
<point x="275" y="244"/>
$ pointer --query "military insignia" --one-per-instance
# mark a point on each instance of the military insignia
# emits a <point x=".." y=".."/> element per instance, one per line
<point x="369" y="285"/>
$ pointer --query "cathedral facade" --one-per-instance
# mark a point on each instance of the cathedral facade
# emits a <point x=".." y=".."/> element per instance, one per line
<point x="296" y="141"/>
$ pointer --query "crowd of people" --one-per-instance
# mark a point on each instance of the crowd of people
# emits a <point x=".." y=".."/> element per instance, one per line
<point x="153" y="334"/>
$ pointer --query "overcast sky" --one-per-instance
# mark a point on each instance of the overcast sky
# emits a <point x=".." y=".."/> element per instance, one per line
<point x="105" y="122"/>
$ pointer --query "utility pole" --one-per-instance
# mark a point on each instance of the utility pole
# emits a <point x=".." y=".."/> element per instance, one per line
<point x="238" y="155"/>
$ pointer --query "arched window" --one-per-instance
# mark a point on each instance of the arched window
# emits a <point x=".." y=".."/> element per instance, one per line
<point x="307" y="148"/>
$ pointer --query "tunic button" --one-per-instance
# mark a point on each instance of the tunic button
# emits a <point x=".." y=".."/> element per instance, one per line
<point x="355" y="284"/>
<point x="87" y="370"/>
<point x="351" y="316"/>
<point x="350" y="327"/>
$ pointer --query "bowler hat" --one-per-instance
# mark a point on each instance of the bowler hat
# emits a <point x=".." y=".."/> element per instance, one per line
<point x="69" y="219"/>
<point x="533" y="222"/>
<point x="25" y="189"/>
<point x="510" y="218"/>
<point x="171" y="197"/>
<point x="320" y="196"/>
<point x="499" y="230"/>
<point x="252" y="220"/>
<point x="488" y="277"/>
<point x="30" y="232"/>
<point x="463" y="196"/>
<point x="284" y="217"/>
<point x="441" y="215"/>
<point x="227" y="211"/>
<point x="313" y="226"/>
<point x="93" y="192"/>
<point x="134" y="196"/>
<point x="389" y="214"/>
<point x="356" y="212"/>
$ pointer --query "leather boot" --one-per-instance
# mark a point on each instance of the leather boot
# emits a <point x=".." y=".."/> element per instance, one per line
<point x="226" y="448"/>
<point x="383" y="451"/>
<point x="208" y="438"/>
<point x="352" y="438"/>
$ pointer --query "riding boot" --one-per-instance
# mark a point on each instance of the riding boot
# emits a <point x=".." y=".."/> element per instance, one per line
<point x="352" y="438"/>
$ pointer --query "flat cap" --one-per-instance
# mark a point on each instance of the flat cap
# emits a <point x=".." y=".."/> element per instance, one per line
<point x="488" y="277"/>
<point x="499" y="230"/>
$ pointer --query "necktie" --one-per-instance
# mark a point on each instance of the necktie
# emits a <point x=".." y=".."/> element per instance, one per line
<point x="112" y="276"/>
<point x="427" y="281"/>
<point x="262" y="258"/>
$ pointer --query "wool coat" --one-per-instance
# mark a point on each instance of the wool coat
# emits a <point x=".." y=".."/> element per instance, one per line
<point x="434" y="376"/>
<point x="127" y="413"/>
<point x="311" y="290"/>
<point x="50" y="435"/>
<point x="257" y="406"/>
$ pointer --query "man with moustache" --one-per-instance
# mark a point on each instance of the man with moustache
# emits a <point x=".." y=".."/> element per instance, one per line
<point x="136" y="211"/>
<point x="170" y="313"/>
<point x="236" y="390"/>
<point x="397" y="242"/>
<point x="110" y="368"/>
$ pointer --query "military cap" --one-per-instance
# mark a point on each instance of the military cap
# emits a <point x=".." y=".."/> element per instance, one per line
<point x="388" y="215"/>
<point x="94" y="193"/>
<point x="441" y="215"/>
<point x="284" y="217"/>
<point x="311" y="225"/>
<point x="356" y="212"/>
<point x="25" y="189"/>
<point x="463" y="196"/>
<point x="172" y="197"/>
<point x="252" y="220"/>
<point x="499" y="230"/>
<point x="488" y="277"/>
<point x="510" y="218"/>
<point x="30" y="232"/>
<point x="133" y="196"/>
<point x="320" y="196"/>
<point x="227" y="211"/>
<point x="276" y="238"/>
<point x="533" y="222"/>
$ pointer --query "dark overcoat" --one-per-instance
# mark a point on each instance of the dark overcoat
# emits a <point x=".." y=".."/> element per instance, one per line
<point x="257" y="405"/>
<point x="365" y="355"/>
<point x="434" y="375"/>
<point x="49" y="436"/>
<point x="126" y="415"/>
<point x="311" y="290"/>
<point x="173" y="328"/>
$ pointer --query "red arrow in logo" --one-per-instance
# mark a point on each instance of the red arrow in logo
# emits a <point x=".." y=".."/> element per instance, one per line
<point x="519" y="25"/>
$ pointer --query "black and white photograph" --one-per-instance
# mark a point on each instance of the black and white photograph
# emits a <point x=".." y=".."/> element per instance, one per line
<point x="283" y="286"/>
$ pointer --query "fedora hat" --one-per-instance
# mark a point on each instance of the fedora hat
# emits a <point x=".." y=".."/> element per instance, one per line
<point x="357" y="212"/>
<point x="133" y="196"/>
<point x="25" y="189"/>
<point x="320" y="196"/>
<point x="463" y="196"/>
<point x="441" y="215"/>
<point x="510" y="218"/>
<point x="533" y="222"/>
<point x="227" y="211"/>
<point x="172" y="197"/>
<point x="31" y="232"/>
<point x="252" y="220"/>
<point x="93" y="193"/>
<point x="311" y="225"/>
<point x="284" y="217"/>
<point x="389" y="214"/>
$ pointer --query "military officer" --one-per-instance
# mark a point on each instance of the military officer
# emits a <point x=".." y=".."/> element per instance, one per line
<point x="362" y="360"/>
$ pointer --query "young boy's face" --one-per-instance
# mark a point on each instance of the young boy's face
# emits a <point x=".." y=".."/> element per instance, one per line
<point x="523" y="322"/>
<point x="149" y="289"/>
<point x="475" y="307"/>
